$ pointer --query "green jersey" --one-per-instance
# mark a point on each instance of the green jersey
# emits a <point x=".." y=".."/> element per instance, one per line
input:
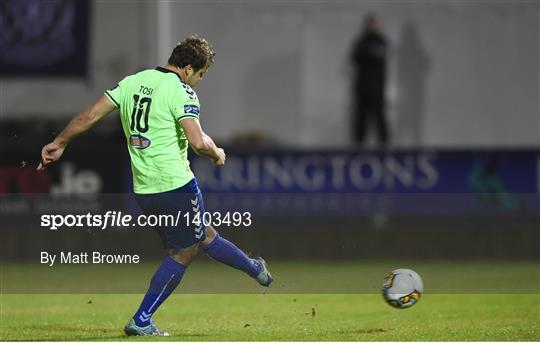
<point x="151" y="104"/>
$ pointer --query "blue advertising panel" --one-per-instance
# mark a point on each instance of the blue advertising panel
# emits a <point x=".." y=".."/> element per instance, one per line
<point x="375" y="172"/>
<point x="367" y="182"/>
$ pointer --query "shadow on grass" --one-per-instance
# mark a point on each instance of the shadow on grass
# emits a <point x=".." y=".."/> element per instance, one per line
<point x="41" y="332"/>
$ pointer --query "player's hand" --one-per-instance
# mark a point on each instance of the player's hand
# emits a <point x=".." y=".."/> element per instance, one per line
<point x="219" y="160"/>
<point x="49" y="154"/>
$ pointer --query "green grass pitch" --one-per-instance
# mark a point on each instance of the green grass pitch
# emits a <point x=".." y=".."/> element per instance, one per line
<point x="328" y="312"/>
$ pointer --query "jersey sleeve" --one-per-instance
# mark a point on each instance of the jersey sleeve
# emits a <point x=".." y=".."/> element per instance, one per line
<point x="114" y="94"/>
<point x="184" y="102"/>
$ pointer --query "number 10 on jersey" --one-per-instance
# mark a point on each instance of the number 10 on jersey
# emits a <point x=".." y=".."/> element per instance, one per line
<point x="140" y="109"/>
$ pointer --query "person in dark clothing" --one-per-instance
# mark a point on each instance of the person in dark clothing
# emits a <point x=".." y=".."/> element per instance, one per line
<point x="369" y="61"/>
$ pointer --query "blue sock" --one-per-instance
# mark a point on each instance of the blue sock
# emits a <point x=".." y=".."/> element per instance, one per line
<point x="226" y="252"/>
<point x="163" y="283"/>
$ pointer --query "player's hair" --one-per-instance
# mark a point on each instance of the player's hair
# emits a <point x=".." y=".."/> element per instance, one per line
<point x="193" y="50"/>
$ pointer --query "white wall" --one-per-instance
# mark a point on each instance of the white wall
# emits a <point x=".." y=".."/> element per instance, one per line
<point x="461" y="74"/>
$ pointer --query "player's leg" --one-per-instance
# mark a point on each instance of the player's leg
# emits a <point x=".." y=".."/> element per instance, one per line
<point x="226" y="252"/>
<point x="361" y="114"/>
<point x="164" y="281"/>
<point x="181" y="244"/>
<point x="380" y="119"/>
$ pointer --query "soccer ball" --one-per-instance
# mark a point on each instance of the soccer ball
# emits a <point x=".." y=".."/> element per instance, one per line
<point x="402" y="288"/>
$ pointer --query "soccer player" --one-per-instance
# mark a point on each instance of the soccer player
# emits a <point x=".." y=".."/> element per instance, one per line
<point x="159" y="111"/>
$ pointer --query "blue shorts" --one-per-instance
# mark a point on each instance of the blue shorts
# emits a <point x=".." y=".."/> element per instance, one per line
<point x="185" y="199"/>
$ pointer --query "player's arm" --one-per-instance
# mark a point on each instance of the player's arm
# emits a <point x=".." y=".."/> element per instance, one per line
<point x="200" y="142"/>
<point x="79" y="124"/>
